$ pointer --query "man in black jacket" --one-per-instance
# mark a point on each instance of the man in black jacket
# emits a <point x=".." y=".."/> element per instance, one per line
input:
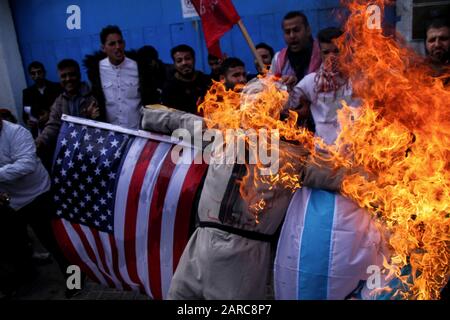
<point x="188" y="86"/>
<point x="38" y="98"/>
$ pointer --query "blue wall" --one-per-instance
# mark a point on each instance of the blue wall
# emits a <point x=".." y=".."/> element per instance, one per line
<point x="43" y="35"/>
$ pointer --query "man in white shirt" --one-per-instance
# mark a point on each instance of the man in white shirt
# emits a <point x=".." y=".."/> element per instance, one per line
<point x="119" y="81"/>
<point x="25" y="185"/>
<point x="323" y="91"/>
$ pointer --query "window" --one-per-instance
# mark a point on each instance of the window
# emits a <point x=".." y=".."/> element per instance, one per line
<point x="423" y="10"/>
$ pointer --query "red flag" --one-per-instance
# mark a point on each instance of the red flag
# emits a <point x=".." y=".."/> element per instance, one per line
<point x="218" y="17"/>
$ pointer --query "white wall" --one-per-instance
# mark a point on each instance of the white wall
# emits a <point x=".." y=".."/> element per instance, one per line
<point x="12" y="77"/>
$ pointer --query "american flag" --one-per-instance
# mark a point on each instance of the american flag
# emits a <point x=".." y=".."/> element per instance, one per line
<point x="124" y="207"/>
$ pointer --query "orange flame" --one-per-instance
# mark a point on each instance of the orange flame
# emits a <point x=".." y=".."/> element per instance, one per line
<point x="400" y="136"/>
<point x="403" y="138"/>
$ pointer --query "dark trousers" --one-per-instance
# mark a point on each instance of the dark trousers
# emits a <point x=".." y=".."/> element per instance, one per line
<point x="38" y="215"/>
<point x="16" y="266"/>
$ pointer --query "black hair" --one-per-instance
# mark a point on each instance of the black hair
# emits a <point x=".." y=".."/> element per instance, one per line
<point x="69" y="63"/>
<point x="7" y="115"/>
<point x="328" y="34"/>
<point x="106" y="31"/>
<point x="212" y="57"/>
<point x="36" y="65"/>
<point x="436" y="23"/>
<point x="295" y="14"/>
<point x="263" y="45"/>
<point x="182" y="48"/>
<point x="148" y="52"/>
<point x="229" y="63"/>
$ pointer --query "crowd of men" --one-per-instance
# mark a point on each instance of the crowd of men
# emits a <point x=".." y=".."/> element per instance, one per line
<point x="121" y="82"/>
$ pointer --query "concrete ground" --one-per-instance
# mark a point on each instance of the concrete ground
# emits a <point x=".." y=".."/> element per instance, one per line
<point x="50" y="285"/>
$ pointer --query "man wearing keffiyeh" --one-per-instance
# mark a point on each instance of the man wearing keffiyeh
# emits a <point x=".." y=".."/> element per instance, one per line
<point x="323" y="91"/>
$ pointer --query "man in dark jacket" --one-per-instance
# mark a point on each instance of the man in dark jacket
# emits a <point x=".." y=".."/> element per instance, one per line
<point x="184" y="90"/>
<point x="38" y="98"/>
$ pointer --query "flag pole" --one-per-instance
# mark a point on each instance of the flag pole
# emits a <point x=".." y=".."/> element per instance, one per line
<point x="250" y="44"/>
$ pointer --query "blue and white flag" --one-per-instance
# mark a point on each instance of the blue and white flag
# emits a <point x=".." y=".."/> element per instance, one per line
<point x="325" y="248"/>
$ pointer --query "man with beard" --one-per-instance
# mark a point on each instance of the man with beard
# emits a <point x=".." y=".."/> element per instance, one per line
<point x="298" y="59"/>
<point x="437" y="45"/>
<point x="233" y="73"/>
<point x="188" y="86"/>
<point x="301" y="56"/>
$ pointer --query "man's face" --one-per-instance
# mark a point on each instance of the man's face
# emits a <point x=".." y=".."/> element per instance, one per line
<point x="329" y="53"/>
<point x="234" y="76"/>
<point x="438" y="44"/>
<point x="70" y="80"/>
<point x="37" y="74"/>
<point x="295" y="34"/>
<point x="214" y="64"/>
<point x="265" y="55"/>
<point x="184" y="63"/>
<point x="114" y="48"/>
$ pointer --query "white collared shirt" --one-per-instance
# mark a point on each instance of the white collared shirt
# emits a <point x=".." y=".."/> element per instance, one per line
<point x="121" y="88"/>
<point x="22" y="174"/>
<point x="324" y="105"/>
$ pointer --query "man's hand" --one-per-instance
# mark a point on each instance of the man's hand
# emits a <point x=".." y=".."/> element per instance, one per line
<point x="32" y="124"/>
<point x="289" y="81"/>
<point x="43" y="118"/>
<point x="4" y="199"/>
<point x="39" y="146"/>
<point x="93" y="111"/>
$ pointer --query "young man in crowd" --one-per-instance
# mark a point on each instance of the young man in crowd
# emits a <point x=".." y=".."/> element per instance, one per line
<point x="76" y="100"/>
<point x="301" y="55"/>
<point x="38" y="98"/>
<point x="266" y="53"/>
<point x="188" y="86"/>
<point x="299" y="58"/>
<point x="437" y="45"/>
<point x="115" y="80"/>
<point x="215" y="64"/>
<point x="322" y="92"/>
<point x="233" y="73"/>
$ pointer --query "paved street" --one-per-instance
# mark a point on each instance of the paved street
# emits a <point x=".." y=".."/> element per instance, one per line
<point x="50" y="285"/>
